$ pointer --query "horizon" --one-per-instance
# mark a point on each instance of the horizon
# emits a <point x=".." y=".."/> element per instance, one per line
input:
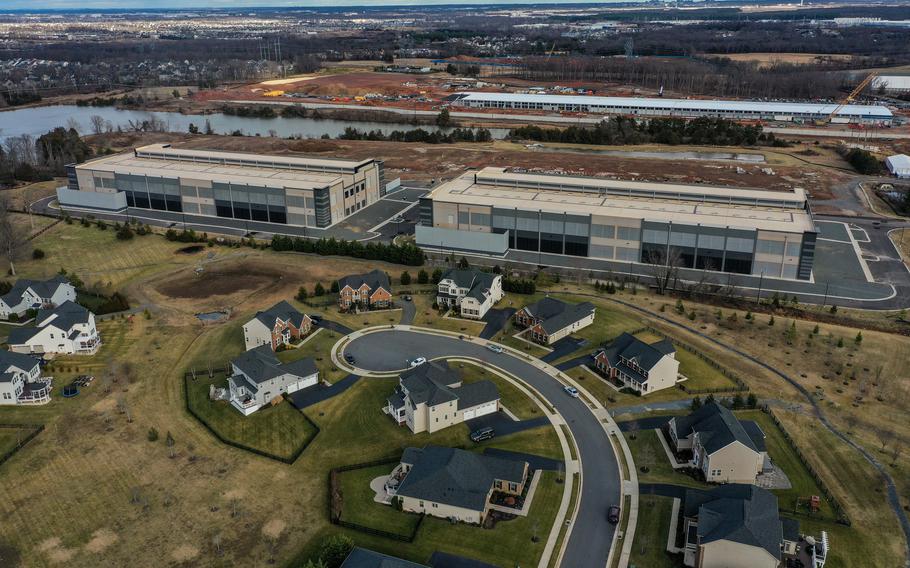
<point x="145" y="5"/>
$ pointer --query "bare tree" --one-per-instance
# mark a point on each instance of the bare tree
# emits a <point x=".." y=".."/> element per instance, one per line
<point x="666" y="267"/>
<point x="13" y="240"/>
<point x="97" y="123"/>
<point x="885" y="436"/>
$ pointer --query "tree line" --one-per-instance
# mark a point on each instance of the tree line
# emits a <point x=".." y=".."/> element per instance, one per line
<point x="621" y="130"/>
<point x="419" y="135"/>
<point x="24" y="158"/>
<point x="407" y="254"/>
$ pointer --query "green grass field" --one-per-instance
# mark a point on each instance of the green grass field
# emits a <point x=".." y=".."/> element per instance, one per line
<point x="359" y="507"/>
<point x="649" y="549"/>
<point x="11" y="438"/>
<point x="648" y="452"/>
<point x="512" y="398"/>
<point x="319" y="347"/>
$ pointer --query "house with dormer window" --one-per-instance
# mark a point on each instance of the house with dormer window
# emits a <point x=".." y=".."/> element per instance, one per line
<point x="633" y="363"/>
<point x="365" y="291"/>
<point x="282" y="324"/>
<point x="36" y="295"/>
<point x="68" y="329"/>
<point x="471" y="293"/>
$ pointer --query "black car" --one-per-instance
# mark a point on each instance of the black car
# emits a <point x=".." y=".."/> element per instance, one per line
<point x="482" y="434"/>
<point x="613" y="515"/>
<point x="349" y="358"/>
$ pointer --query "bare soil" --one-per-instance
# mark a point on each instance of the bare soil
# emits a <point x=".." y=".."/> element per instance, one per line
<point x="220" y="281"/>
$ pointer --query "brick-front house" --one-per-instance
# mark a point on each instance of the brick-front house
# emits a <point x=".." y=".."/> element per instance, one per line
<point x="644" y="367"/>
<point x="550" y="319"/>
<point x="365" y="291"/>
<point x="279" y="325"/>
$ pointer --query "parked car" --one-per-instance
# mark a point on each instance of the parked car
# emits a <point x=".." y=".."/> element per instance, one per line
<point x="494" y="348"/>
<point x="349" y="358"/>
<point x="418" y="362"/>
<point x="482" y="434"/>
<point x="406" y="298"/>
<point x="571" y="391"/>
<point x="314" y="318"/>
<point x="613" y="514"/>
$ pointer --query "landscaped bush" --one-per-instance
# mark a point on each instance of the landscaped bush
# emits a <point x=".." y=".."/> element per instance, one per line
<point x="37" y="254"/>
<point x="408" y="254"/>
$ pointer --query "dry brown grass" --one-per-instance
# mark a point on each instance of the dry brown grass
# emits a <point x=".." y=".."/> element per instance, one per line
<point x="768" y="59"/>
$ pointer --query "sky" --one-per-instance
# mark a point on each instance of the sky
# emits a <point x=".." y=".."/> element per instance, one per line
<point x="26" y="5"/>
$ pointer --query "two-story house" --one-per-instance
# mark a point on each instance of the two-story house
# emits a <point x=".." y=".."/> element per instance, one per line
<point x="432" y="396"/>
<point x="455" y="484"/>
<point x="548" y="320"/>
<point x="279" y="325"/>
<point x="365" y="291"/>
<point x="68" y="329"/>
<point x="469" y="292"/>
<point x="725" y="449"/>
<point x="259" y="377"/>
<point x="21" y="381"/>
<point x="736" y="526"/>
<point x="633" y="363"/>
<point x="35" y="295"/>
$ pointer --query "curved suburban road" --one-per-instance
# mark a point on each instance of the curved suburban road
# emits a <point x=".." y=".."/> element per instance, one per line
<point x="592" y="536"/>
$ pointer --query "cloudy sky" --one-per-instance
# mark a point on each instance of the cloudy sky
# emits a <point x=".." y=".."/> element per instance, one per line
<point x="134" y="4"/>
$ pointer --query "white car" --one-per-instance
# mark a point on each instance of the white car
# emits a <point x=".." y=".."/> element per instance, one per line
<point x="418" y="362"/>
<point x="571" y="391"/>
<point x="494" y="348"/>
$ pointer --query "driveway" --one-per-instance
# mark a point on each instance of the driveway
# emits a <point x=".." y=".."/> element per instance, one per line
<point x="408" y="311"/>
<point x="649" y="423"/>
<point x="503" y="425"/>
<point x="534" y="461"/>
<point x="592" y="536"/>
<point x="318" y="393"/>
<point x="334" y="326"/>
<point x="572" y="363"/>
<point x="662" y="489"/>
<point x="563" y="347"/>
<point x="496" y="320"/>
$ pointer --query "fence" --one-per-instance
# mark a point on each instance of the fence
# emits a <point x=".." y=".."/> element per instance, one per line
<point x="839" y="511"/>
<point x="336" y="519"/>
<point x="283" y="459"/>
<point x="35" y="430"/>
<point x="741" y="386"/>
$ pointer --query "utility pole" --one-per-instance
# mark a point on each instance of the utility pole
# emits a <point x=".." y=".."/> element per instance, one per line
<point x="760" y="280"/>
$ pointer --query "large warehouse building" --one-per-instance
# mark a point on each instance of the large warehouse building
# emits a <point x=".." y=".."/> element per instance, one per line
<point x="299" y="191"/>
<point x="679" y="108"/>
<point x="743" y="231"/>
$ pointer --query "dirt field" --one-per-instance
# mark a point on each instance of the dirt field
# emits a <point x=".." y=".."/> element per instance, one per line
<point x="769" y="59"/>
<point x="220" y="281"/>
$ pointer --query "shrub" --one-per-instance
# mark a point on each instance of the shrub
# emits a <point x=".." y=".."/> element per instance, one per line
<point x="335" y="549"/>
<point x="680" y="309"/>
<point x="124" y="233"/>
<point x="37" y="254"/>
<point x="437" y="276"/>
<point x="319" y="290"/>
<point x="423" y="277"/>
<point x="334" y="287"/>
<point x="152" y="435"/>
<point x="301" y="294"/>
<point x="405" y="278"/>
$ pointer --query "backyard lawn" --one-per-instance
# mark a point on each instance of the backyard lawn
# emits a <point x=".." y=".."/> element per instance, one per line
<point x="10" y="438"/>
<point x="647" y="451"/>
<point x="359" y="507"/>
<point x="319" y="347"/>
<point x="649" y="549"/>
<point x="278" y="430"/>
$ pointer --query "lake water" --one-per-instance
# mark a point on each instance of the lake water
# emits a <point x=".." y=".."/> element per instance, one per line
<point x="38" y="120"/>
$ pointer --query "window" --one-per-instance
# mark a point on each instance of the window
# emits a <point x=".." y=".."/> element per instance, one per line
<point x="627" y="233"/>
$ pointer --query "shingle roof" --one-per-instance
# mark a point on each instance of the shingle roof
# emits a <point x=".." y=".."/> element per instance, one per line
<point x="363" y="558"/>
<point x="19" y="360"/>
<point x="476" y="281"/>
<point x="756" y="434"/>
<point x="433" y="383"/>
<point x="472" y="394"/>
<point x="571" y="314"/>
<point x="374" y="279"/>
<point x="630" y="348"/>
<point x="65" y="316"/>
<point x="716" y="428"/>
<point x="739" y="513"/>
<point x="43" y="288"/>
<point x="456" y="477"/>
<point x="260" y="364"/>
<point x="283" y="311"/>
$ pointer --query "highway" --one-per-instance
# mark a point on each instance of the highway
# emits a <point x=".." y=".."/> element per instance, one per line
<point x="592" y="536"/>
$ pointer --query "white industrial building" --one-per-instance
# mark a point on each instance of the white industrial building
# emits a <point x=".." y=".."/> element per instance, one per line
<point x="678" y="108"/>
<point x="891" y="83"/>
<point x="899" y="165"/>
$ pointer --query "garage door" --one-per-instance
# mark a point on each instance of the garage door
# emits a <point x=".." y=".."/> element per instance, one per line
<point x="469" y="414"/>
<point x="484" y="409"/>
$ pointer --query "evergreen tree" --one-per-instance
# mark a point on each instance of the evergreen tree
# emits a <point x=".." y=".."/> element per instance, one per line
<point x="319" y="290"/>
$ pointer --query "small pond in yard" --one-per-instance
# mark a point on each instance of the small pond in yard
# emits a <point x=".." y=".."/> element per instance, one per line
<point x="191" y="249"/>
<point x="209" y="317"/>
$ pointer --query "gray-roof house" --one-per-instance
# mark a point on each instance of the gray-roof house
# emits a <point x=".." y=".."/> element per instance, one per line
<point x="364" y="558"/>
<point x="282" y="324"/>
<point x="36" y="294"/>
<point x="725" y="449"/>
<point x="67" y="329"/>
<point x="258" y="377"/>
<point x="21" y="381"/>
<point x="549" y="319"/>
<point x="456" y="484"/>
<point x="735" y="526"/>
<point x="371" y="290"/>
<point x="432" y="396"/>
<point x="644" y="367"/>
<point x="470" y="292"/>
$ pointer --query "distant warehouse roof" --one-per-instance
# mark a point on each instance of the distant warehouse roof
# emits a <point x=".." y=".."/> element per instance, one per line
<point x="681" y="106"/>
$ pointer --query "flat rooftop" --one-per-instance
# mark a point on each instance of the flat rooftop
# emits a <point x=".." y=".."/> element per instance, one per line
<point x="685" y="204"/>
<point x="682" y="105"/>
<point x="160" y="160"/>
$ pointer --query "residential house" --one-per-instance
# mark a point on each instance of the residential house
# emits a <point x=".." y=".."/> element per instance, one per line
<point x="279" y="325"/>
<point x="365" y="291"/>
<point x="549" y="319"/>
<point x="364" y="558"/>
<point x="431" y="397"/>
<point x="455" y="484"/>
<point x="258" y="377"/>
<point x="633" y="363"/>
<point x="725" y="449"/>
<point x="35" y="295"/>
<point x="68" y="329"/>
<point x="21" y="381"/>
<point x="469" y="292"/>
<point x="736" y="526"/>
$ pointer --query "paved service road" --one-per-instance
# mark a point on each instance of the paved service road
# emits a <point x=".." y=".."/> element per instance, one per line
<point x="592" y="536"/>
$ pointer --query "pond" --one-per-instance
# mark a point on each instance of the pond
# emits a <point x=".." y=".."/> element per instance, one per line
<point x="209" y="317"/>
